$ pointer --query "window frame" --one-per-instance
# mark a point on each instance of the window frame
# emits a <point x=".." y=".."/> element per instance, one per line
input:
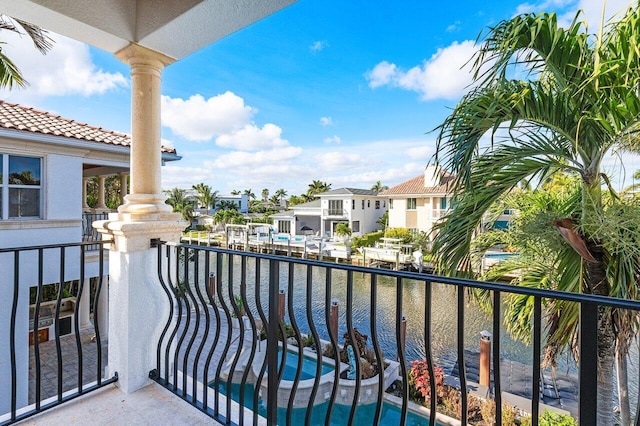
<point x="412" y="202"/>
<point x="5" y="188"/>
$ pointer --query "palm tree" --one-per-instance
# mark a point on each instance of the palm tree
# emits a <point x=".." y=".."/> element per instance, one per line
<point x="281" y="193"/>
<point x="378" y="187"/>
<point x="10" y="75"/>
<point x="177" y="198"/>
<point x="265" y="194"/>
<point x="274" y="200"/>
<point x="317" y="187"/>
<point x="206" y="198"/>
<point x="235" y="192"/>
<point x="249" y="194"/>
<point x="575" y="107"/>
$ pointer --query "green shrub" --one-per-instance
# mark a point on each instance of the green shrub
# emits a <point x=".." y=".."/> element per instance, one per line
<point x="551" y="418"/>
<point x="201" y="228"/>
<point x="401" y="233"/>
<point x="367" y="240"/>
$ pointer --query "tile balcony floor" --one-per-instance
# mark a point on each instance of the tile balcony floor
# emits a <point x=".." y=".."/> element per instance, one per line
<point x="151" y="405"/>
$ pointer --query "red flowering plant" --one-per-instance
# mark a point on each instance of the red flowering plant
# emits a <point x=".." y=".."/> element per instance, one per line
<point x="420" y="381"/>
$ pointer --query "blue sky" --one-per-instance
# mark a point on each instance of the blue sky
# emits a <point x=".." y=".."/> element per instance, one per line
<point x="345" y="92"/>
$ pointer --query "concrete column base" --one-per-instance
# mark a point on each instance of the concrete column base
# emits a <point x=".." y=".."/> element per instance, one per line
<point x="138" y="306"/>
<point x="145" y="204"/>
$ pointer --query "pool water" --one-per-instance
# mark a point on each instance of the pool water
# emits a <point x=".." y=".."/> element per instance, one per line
<point x="389" y="416"/>
<point x="501" y="256"/>
<point x="308" y="370"/>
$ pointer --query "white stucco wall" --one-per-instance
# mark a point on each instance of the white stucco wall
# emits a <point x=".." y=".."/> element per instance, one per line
<point x="63" y="187"/>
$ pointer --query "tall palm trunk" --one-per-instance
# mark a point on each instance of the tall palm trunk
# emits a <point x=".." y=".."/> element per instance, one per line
<point x="623" y="387"/>
<point x="597" y="283"/>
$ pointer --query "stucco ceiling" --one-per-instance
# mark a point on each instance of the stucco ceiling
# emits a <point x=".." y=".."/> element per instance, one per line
<point x="175" y="28"/>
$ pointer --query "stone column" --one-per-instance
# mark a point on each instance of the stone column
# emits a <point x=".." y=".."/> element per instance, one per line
<point x="123" y="187"/>
<point x="138" y="306"/>
<point x="85" y="181"/>
<point x="146" y="158"/>
<point x="101" y="204"/>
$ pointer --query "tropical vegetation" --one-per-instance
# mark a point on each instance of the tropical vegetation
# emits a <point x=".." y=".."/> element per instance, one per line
<point x="548" y="99"/>
<point x="207" y="198"/>
<point x="10" y="75"/>
<point x="177" y="198"/>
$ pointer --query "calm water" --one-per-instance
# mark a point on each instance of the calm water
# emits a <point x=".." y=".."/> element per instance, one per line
<point x="444" y="315"/>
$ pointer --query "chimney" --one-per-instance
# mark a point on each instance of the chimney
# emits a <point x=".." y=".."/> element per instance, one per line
<point x="432" y="176"/>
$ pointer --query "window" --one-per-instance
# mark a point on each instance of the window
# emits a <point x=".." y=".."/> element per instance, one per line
<point x="411" y="203"/>
<point x="368" y="204"/>
<point x="362" y="204"/>
<point x="335" y="208"/>
<point x="390" y="204"/>
<point x="353" y="204"/>
<point x="355" y="226"/>
<point x="284" y="227"/>
<point x="377" y="204"/>
<point x="20" y="195"/>
<point x="384" y="204"/>
<point x="443" y="203"/>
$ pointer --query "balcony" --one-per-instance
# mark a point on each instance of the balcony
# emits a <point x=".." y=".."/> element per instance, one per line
<point x="437" y="214"/>
<point x="335" y="213"/>
<point x="226" y="313"/>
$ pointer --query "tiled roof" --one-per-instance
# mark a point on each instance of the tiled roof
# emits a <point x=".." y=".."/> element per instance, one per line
<point x="416" y="186"/>
<point x="26" y="119"/>
<point x="349" y="191"/>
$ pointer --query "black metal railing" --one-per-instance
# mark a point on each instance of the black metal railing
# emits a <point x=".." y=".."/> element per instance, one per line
<point x="89" y="233"/>
<point x="235" y="343"/>
<point x="51" y="335"/>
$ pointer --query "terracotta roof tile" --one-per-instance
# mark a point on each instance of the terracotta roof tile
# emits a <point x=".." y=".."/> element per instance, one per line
<point x="415" y="186"/>
<point x="18" y="117"/>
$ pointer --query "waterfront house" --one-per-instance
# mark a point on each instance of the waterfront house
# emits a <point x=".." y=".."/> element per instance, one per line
<point x="359" y="208"/>
<point x="418" y="203"/>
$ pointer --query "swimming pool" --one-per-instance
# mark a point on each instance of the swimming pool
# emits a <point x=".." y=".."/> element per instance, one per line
<point x="390" y="414"/>
<point x="308" y="370"/>
<point x="501" y="256"/>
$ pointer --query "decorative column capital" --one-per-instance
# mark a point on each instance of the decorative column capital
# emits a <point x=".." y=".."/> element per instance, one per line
<point x="138" y="56"/>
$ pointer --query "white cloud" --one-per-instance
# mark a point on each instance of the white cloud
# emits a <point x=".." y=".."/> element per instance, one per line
<point x="167" y="143"/>
<point x="382" y="74"/>
<point x="443" y="76"/>
<point x="420" y="152"/>
<point x="251" y="137"/>
<point x="338" y="160"/>
<point x="318" y="46"/>
<point x="199" y="119"/>
<point x="182" y="176"/>
<point x="390" y="176"/>
<point x="453" y="27"/>
<point x="332" y="139"/>
<point x="67" y="69"/>
<point x="241" y="160"/>
<point x="326" y="121"/>
<point x="566" y="9"/>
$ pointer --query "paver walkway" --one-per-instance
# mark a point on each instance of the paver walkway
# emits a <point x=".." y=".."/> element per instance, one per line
<point x="69" y="364"/>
